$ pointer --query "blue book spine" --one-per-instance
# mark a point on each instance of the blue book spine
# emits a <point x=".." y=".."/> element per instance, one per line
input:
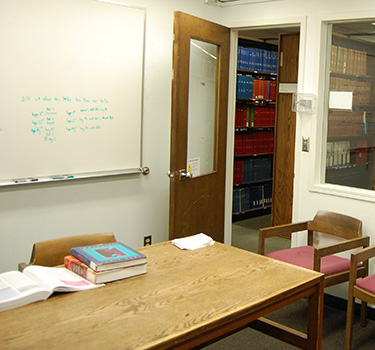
<point x="239" y="60"/>
<point x="243" y="57"/>
<point x="244" y="86"/>
<point x="253" y="59"/>
<point x="247" y="203"/>
<point x="253" y="197"/>
<point x="275" y="61"/>
<point x="263" y="61"/>
<point x="238" y="86"/>
<point x="236" y="201"/>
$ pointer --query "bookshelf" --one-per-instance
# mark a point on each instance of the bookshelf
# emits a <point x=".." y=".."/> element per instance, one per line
<point x="254" y="127"/>
<point x="350" y="133"/>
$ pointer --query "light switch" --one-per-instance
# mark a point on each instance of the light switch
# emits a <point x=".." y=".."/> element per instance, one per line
<point x="305" y="144"/>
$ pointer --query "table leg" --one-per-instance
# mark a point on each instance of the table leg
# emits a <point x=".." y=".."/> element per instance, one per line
<point x="315" y="318"/>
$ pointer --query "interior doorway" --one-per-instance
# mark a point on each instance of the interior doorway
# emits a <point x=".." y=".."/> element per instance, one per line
<point x="248" y="218"/>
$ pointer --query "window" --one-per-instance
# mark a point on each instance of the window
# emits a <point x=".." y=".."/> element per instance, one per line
<point x="351" y="107"/>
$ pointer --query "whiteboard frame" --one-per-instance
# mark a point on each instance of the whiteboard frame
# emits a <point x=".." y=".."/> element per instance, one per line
<point x="97" y="174"/>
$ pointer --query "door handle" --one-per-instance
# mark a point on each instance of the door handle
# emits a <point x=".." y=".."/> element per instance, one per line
<point x="170" y="174"/>
<point x="185" y="175"/>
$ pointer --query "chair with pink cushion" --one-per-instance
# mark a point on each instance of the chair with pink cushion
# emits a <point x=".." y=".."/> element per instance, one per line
<point x="363" y="289"/>
<point x="322" y="258"/>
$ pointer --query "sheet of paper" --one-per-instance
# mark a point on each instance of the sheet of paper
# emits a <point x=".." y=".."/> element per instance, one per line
<point x="197" y="241"/>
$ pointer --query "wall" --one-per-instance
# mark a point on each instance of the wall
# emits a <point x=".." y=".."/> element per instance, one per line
<point x="130" y="206"/>
<point x="308" y="195"/>
<point x="137" y="205"/>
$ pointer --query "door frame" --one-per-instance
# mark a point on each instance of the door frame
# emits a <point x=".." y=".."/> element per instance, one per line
<point x="298" y="22"/>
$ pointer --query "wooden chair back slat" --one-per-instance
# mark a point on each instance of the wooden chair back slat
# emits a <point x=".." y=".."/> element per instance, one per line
<point x="52" y="252"/>
<point x="336" y="224"/>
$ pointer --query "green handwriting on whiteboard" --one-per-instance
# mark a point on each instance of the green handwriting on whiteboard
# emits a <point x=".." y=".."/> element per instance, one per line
<point x="51" y="116"/>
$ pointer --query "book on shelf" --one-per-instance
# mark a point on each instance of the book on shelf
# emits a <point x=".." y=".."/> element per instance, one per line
<point x="81" y="269"/>
<point x="255" y="59"/>
<point x="108" y="256"/>
<point x="36" y="283"/>
<point x="348" y="61"/>
<point x="361" y="152"/>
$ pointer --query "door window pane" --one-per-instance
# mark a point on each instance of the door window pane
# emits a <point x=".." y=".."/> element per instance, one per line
<point x="202" y="108"/>
<point x="350" y="124"/>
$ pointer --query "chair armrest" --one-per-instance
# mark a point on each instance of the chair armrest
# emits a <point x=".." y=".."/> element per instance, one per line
<point x="339" y="247"/>
<point x="362" y="255"/>
<point x="280" y="230"/>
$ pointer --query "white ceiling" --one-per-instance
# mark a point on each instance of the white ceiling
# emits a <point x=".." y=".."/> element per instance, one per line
<point x="223" y="3"/>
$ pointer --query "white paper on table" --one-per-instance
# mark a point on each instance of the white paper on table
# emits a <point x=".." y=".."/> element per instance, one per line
<point x="197" y="241"/>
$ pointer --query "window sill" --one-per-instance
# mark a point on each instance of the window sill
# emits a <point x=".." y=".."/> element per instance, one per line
<point x="344" y="191"/>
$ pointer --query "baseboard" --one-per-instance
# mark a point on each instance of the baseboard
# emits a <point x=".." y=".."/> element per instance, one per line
<point x="341" y="304"/>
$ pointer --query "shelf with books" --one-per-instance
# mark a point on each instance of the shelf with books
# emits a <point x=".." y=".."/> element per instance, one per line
<point x="349" y="153"/>
<point x="257" y="56"/>
<point x="254" y="126"/>
<point x="255" y="87"/>
<point x="251" y="170"/>
<point x="254" y="142"/>
<point x="351" y="132"/>
<point x="252" y="198"/>
<point x="254" y="115"/>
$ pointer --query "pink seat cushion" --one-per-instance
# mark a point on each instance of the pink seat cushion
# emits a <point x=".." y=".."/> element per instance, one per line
<point x="367" y="283"/>
<point x="304" y="257"/>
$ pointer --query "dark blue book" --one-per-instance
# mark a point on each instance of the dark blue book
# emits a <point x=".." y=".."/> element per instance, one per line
<point x="108" y="256"/>
<point x="236" y="201"/>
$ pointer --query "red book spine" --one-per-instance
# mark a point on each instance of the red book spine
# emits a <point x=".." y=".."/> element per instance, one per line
<point x="238" y="172"/>
<point x="273" y="90"/>
<point x="256" y="89"/>
<point x="272" y="116"/>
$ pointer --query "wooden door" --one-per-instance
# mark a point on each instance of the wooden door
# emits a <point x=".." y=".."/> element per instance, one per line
<point x="285" y="130"/>
<point x="197" y="202"/>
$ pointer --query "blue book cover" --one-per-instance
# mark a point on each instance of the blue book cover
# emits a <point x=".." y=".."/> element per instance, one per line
<point x="253" y="62"/>
<point x="239" y="58"/>
<point x="250" y="87"/>
<point x="236" y="201"/>
<point x="107" y="256"/>
<point x="239" y="64"/>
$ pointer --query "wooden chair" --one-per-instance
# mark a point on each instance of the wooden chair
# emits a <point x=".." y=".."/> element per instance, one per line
<point x="52" y="252"/>
<point x="363" y="289"/>
<point x="335" y="268"/>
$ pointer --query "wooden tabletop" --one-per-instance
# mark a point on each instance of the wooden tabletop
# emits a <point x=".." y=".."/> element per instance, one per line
<point x="183" y="295"/>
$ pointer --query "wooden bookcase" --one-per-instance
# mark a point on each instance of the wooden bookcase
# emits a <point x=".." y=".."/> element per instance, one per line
<point x="351" y="134"/>
<point x="254" y="127"/>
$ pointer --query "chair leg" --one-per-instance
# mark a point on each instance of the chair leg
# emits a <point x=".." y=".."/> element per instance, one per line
<point x="363" y="314"/>
<point x="349" y="324"/>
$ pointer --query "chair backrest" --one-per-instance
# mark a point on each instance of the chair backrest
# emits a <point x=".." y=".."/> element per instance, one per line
<point x="52" y="252"/>
<point x="336" y="224"/>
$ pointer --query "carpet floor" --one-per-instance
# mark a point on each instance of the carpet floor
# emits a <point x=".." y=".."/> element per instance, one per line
<point x="245" y="236"/>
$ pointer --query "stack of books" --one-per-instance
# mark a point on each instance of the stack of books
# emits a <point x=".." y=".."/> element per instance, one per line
<point x="107" y="262"/>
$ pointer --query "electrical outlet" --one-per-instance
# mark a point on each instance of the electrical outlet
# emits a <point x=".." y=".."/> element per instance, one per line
<point x="147" y="240"/>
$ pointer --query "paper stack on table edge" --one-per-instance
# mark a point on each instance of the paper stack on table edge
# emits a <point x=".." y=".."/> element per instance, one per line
<point x="197" y="241"/>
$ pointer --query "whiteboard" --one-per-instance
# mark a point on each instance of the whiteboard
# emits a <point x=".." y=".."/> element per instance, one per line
<point x="71" y="87"/>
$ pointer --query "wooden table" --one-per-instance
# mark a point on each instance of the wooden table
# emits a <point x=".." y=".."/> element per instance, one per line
<point x="187" y="299"/>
